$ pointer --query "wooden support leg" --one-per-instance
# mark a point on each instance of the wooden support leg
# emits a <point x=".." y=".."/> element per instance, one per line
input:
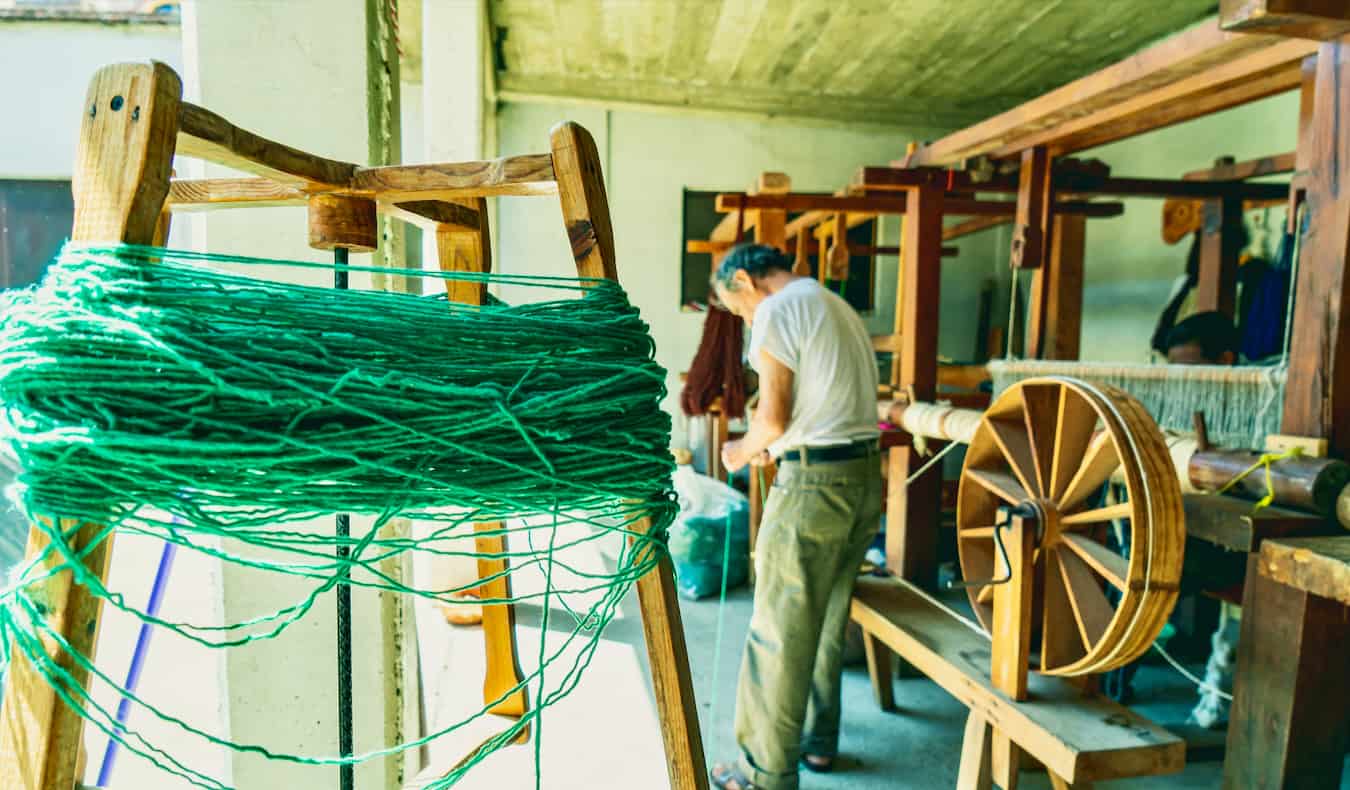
<point x="1216" y="284"/>
<point x="1288" y="726"/>
<point x="761" y="481"/>
<point x="581" y="193"/>
<point x="976" y="768"/>
<point x="671" y="682"/>
<point x="130" y="122"/>
<point x="499" y="628"/>
<point x="880" y="671"/>
<point x="1005" y="760"/>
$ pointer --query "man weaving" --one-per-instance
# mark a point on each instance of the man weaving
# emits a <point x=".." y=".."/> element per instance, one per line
<point x="817" y="417"/>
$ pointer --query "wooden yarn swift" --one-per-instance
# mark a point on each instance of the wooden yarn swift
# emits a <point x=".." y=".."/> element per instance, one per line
<point x="134" y="121"/>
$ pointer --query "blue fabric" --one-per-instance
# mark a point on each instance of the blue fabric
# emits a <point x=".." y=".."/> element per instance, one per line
<point x="1263" y="326"/>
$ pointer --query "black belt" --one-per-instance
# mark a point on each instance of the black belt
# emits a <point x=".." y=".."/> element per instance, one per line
<point x="835" y="452"/>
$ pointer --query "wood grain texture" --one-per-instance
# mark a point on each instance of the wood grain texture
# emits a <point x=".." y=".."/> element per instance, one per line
<point x="1318" y="566"/>
<point x="1317" y="396"/>
<point x="1319" y="20"/>
<point x="343" y="221"/>
<point x="207" y="194"/>
<point x="1080" y="737"/>
<point x="1287" y="727"/>
<point x="530" y="174"/>
<point x="1055" y="312"/>
<point x="585" y="208"/>
<point x="205" y="135"/>
<point x="880" y="671"/>
<point x="1035" y="198"/>
<point x="121" y="180"/>
<point x="1128" y="97"/>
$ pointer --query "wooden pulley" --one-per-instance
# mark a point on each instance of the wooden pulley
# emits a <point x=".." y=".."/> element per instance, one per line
<point x="343" y="221"/>
<point x="1030" y="517"/>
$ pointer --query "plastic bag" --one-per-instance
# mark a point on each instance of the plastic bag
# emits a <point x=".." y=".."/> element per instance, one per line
<point x="698" y="537"/>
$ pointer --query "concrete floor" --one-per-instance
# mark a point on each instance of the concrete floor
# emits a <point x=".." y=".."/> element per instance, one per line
<point x="605" y="734"/>
<point x="916" y="747"/>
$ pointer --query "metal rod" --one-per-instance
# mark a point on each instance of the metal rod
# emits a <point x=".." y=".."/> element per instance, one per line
<point x="346" y="771"/>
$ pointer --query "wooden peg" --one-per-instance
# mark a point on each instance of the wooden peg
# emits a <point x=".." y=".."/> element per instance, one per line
<point x="801" y="266"/>
<point x="836" y="261"/>
<point x="343" y="221"/>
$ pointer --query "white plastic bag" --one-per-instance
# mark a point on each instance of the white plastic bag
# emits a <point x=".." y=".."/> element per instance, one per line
<point x="705" y="497"/>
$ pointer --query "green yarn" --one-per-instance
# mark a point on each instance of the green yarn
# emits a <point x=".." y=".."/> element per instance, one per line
<point x="145" y="390"/>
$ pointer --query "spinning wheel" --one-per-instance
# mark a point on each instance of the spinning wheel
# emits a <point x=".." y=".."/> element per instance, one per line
<point x="1032" y="533"/>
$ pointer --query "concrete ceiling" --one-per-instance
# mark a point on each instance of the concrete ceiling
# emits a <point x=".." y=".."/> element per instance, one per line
<point x="942" y="63"/>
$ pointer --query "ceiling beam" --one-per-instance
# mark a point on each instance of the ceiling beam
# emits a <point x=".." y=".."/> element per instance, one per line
<point x="1196" y="72"/>
<point x="1320" y="20"/>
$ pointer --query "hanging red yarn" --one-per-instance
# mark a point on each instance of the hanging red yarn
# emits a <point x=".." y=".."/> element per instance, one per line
<point x="717" y="369"/>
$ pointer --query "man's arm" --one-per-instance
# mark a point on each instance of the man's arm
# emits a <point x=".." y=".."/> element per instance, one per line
<point x="771" y="418"/>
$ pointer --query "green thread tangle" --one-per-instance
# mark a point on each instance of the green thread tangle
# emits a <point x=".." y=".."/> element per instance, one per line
<point x="153" y="391"/>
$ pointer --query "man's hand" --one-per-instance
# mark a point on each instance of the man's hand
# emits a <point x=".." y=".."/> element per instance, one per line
<point x="733" y="458"/>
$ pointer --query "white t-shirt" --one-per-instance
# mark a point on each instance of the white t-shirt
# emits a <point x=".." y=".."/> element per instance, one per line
<point x="818" y="335"/>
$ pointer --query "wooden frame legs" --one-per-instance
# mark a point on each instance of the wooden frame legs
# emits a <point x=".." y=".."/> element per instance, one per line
<point x="120" y="183"/>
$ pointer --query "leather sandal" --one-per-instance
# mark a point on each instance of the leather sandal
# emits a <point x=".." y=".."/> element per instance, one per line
<point x="729" y="777"/>
<point x="815" y="767"/>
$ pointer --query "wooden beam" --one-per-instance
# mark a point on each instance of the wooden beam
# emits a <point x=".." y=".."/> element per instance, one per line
<point x="1320" y="20"/>
<point x="1220" y="248"/>
<point x="1055" y="317"/>
<point x="1192" y="73"/>
<point x="973" y="225"/>
<point x="1252" y="168"/>
<point x="1080" y="737"/>
<point x="1169" y="187"/>
<point x="216" y="193"/>
<point x="206" y="135"/>
<point x="913" y="509"/>
<point x="1317" y="396"/>
<point x="1319" y="566"/>
<point x="531" y="174"/>
<point x="1032" y="224"/>
<point x="436" y="215"/>
<point x="898" y="176"/>
<point x="121" y="179"/>
<point x="585" y="213"/>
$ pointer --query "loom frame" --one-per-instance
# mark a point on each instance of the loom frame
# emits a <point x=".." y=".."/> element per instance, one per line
<point x="124" y="192"/>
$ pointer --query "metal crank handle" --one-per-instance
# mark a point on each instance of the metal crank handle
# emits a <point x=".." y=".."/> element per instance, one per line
<point x="1006" y="512"/>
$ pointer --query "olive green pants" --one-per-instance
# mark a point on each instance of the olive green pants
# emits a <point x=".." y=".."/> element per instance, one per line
<point x="817" y="525"/>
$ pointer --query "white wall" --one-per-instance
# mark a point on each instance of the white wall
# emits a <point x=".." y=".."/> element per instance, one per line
<point x="1129" y="270"/>
<point x="650" y="158"/>
<point x="44" y="72"/>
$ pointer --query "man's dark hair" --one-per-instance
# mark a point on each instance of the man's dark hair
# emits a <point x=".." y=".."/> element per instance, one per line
<point x="756" y="260"/>
<point x="1213" y="330"/>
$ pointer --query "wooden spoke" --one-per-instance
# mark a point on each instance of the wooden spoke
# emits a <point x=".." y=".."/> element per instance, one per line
<point x="1061" y="638"/>
<point x="1012" y="439"/>
<point x="1040" y="404"/>
<point x="999" y="484"/>
<point x="1097" y="465"/>
<point x="986" y="593"/>
<point x="976" y="532"/>
<point x="1090" y="608"/>
<point x="1109" y="565"/>
<point x="1111" y="513"/>
<point x="1073" y="434"/>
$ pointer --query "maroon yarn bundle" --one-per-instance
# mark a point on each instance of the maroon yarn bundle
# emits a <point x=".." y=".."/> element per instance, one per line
<point x="717" y="369"/>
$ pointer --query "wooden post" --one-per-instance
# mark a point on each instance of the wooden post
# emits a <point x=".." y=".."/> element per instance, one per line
<point x="761" y="482"/>
<point x="585" y="210"/>
<point x="1317" y="397"/>
<point x="461" y="250"/>
<point x="1055" y="320"/>
<point x="771" y="224"/>
<point x="1216" y="285"/>
<point x="1035" y="198"/>
<point x="1012" y="640"/>
<point x="912" y="512"/>
<point x="121" y="180"/>
<point x="1288" y="726"/>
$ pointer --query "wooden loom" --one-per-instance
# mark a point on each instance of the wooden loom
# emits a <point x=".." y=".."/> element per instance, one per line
<point x="1201" y="71"/>
<point x="1031" y="550"/>
<point x="134" y="123"/>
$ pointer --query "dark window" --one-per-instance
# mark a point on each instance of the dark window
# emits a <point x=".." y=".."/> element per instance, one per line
<point x="700" y="218"/>
<point x="35" y="218"/>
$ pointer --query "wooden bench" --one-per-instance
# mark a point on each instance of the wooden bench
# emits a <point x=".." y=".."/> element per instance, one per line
<point x="1289" y="726"/>
<point x="1079" y="737"/>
